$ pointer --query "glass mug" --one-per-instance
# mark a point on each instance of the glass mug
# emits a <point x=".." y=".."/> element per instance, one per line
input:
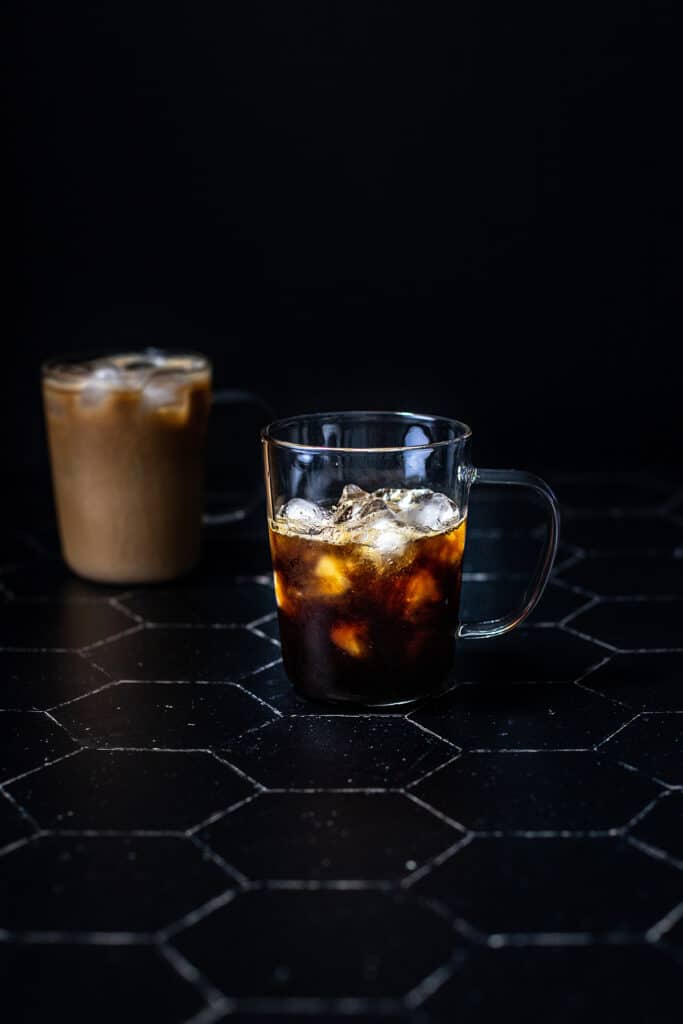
<point x="127" y="435"/>
<point x="367" y="514"/>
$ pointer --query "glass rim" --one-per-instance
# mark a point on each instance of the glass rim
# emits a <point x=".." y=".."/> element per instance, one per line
<point x="268" y="432"/>
<point x="65" y="365"/>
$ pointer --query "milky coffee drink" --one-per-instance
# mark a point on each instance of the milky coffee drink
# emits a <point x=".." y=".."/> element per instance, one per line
<point x="126" y="436"/>
<point x="368" y="593"/>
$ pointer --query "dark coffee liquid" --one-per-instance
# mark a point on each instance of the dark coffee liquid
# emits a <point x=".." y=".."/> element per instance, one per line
<point x="364" y="624"/>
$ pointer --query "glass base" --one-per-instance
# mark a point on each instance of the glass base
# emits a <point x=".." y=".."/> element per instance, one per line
<point x="388" y="705"/>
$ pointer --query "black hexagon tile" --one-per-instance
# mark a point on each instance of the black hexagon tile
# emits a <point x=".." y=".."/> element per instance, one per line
<point x="531" y="885"/>
<point x="652" y="743"/>
<point x="59" y="625"/>
<point x="526" y="656"/>
<point x="645" y="682"/>
<point x="238" y="602"/>
<point x="38" y="679"/>
<point x="104" y="884"/>
<point x="336" y="751"/>
<point x="273" y="686"/>
<point x="51" y="579"/>
<point x="329" y="836"/>
<point x="169" y="715"/>
<point x="214" y="655"/>
<point x="632" y="625"/>
<point x="662" y="827"/>
<point x="13" y="825"/>
<point x="562" y="984"/>
<point x="270" y="628"/>
<point x="623" y="533"/>
<point x="489" y="599"/>
<point x="268" y="944"/>
<point x="673" y="938"/>
<point x="616" y="575"/>
<point x="107" y="789"/>
<point x="543" y="791"/>
<point x="29" y="739"/>
<point x="500" y="553"/>
<point x="55" y="982"/>
<point x="536" y="716"/>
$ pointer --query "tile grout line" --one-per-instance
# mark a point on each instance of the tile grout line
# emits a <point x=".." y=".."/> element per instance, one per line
<point x="186" y="970"/>
<point x="41" y="767"/>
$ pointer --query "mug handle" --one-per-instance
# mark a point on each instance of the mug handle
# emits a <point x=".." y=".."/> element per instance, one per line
<point x="234" y="396"/>
<point x="518" y="478"/>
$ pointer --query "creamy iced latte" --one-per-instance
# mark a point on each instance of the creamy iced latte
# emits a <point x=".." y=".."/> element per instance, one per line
<point x="126" y="436"/>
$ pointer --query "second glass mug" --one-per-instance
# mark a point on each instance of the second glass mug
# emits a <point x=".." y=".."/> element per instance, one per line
<point x="368" y="584"/>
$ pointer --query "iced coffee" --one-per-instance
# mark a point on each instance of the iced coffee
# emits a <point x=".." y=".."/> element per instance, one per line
<point x="127" y="436"/>
<point x="368" y="592"/>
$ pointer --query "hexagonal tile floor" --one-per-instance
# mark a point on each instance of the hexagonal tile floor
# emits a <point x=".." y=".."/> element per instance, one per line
<point x="337" y="751"/>
<point x="104" y="883"/>
<point x="573" y="886"/>
<point x="260" y="944"/>
<point x="41" y="679"/>
<point x="634" y="624"/>
<point x="185" y="839"/>
<point x="123" y="982"/>
<point x="642" y="682"/>
<point x="559" y="984"/>
<point x="323" y="835"/>
<point x="652" y="743"/>
<point x="539" y="791"/>
<point x="130" y="789"/>
<point x="169" y="715"/>
<point x="662" y="827"/>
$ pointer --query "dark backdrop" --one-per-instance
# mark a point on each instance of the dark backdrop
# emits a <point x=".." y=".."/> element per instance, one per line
<point x="459" y="208"/>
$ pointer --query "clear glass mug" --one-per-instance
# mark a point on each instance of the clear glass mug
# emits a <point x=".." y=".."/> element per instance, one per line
<point x="127" y="437"/>
<point x="367" y="516"/>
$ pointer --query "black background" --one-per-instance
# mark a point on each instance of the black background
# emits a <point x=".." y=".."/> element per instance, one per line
<point x="464" y="209"/>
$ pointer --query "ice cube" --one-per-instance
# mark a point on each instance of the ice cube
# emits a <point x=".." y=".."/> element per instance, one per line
<point x="414" y="498"/>
<point x="389" y="540"/>
<point x="106" y="374"/>
<point x="99" y="384"/>
<point x="351" y="637"/>
<point x="431" y="512"/>
<point x="352" y="504"/>
<point x="382" y="531"/>
<point x="352" y="492"/>
<point x="165" y="390"/>
<point x="332" y="579"/>
<point x="421" y="590"/>
<point x="304" y="516"/>
<point x="356" y="511"/>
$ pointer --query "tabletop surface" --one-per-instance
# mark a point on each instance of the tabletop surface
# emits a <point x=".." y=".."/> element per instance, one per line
<point x="184" y="839"/>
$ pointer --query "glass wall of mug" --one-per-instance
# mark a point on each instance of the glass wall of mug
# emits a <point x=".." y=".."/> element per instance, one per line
<point x="367" y="517"/>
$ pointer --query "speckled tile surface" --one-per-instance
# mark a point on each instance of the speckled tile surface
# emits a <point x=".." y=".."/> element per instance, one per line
<point x="184" y="839"/>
